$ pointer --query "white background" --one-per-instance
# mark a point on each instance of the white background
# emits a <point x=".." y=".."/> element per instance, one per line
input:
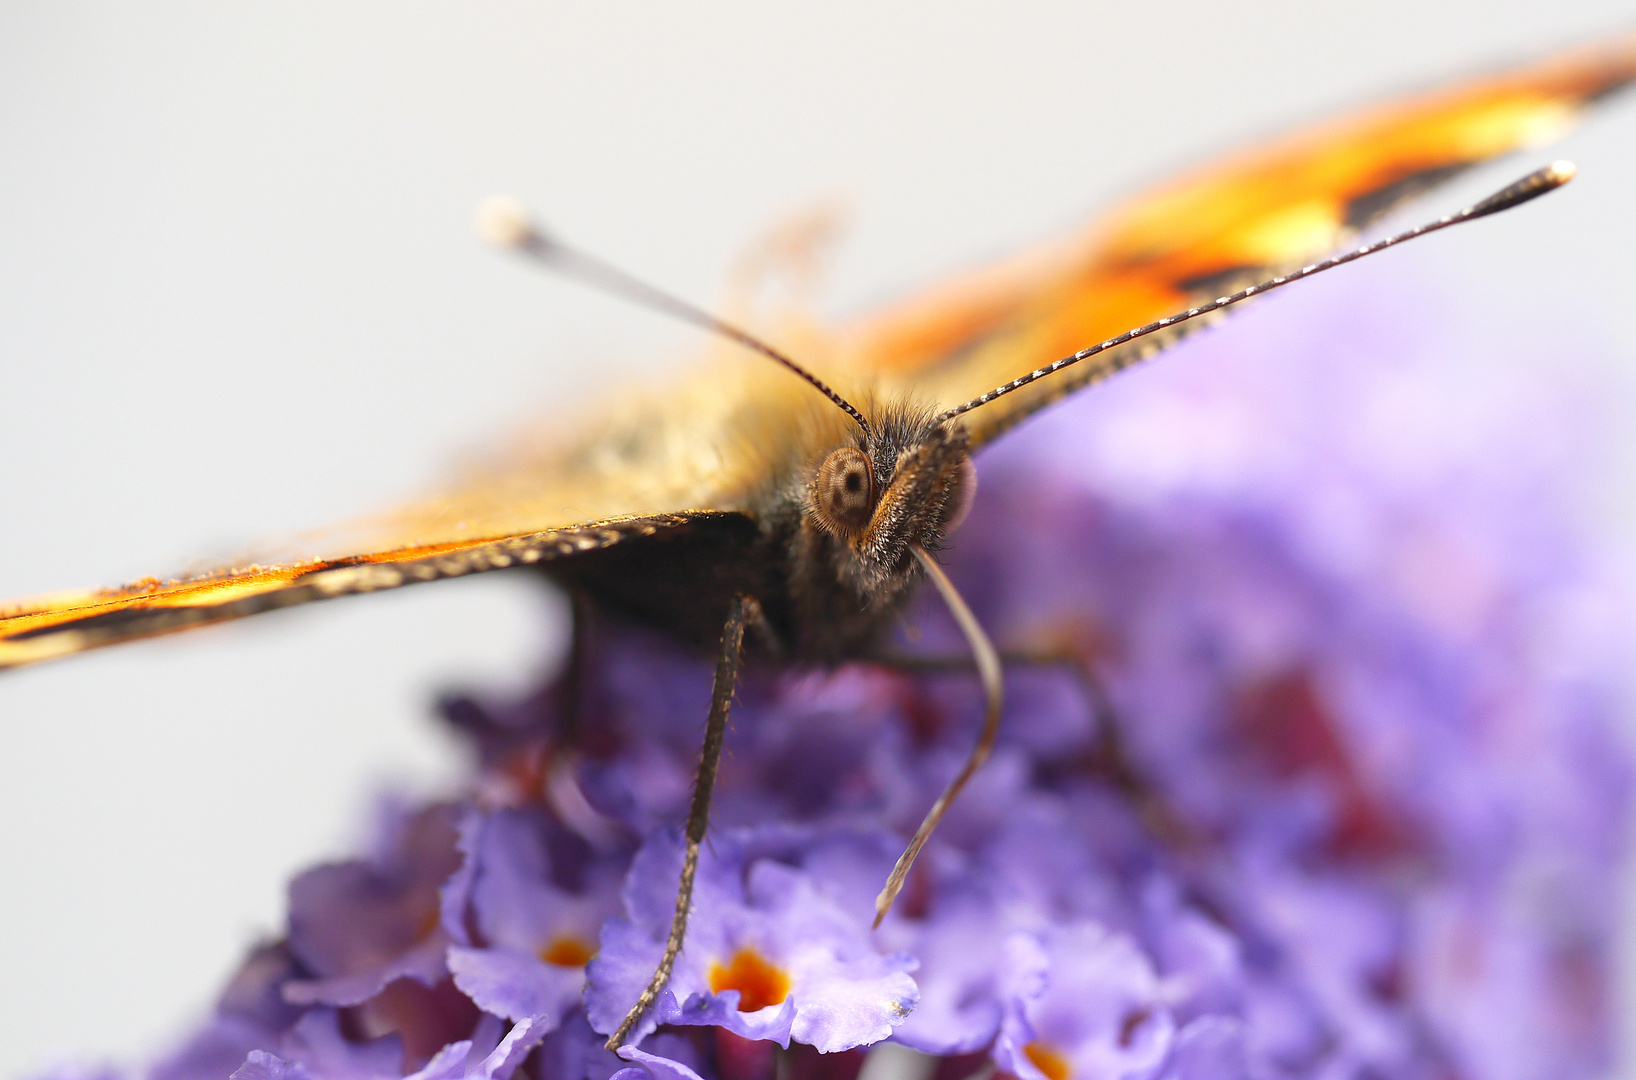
<point x="239" y="294"/>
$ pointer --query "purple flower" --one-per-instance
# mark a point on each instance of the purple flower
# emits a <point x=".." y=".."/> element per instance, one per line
<point x="539" y="897"/>
<point x="966" y="962"/>
<point x="372" y="935"/>
<point x="654" y="1066"/>
<point x="251" y="1014"/>
<point x="358" y="926"/>
<point x="1318" y="780"/>
<point x="1320" y="609"/>
<point x="1094" y="1008"/>
<point x="1209" y="1048"/>
<point x="316" y="1050"/>
<point x="773" y="951"/>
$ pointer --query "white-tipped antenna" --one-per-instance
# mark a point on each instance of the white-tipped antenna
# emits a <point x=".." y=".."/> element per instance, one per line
<point x="504" y="222"/>
<point x="1529" y="187"/>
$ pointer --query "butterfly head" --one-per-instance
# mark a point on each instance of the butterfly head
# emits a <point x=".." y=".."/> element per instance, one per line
<point x="908" y="480"/>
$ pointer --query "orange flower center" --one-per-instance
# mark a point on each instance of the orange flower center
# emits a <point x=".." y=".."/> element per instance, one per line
<point x="565" y="950"/>
<point x="758" y="982"/>
<point x="1048" y="1061"/>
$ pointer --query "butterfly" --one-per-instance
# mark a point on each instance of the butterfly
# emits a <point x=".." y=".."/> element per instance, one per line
<point x="741" y="499"/>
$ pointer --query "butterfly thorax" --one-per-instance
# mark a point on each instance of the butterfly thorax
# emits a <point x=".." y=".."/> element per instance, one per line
<point x="825" y="546"/>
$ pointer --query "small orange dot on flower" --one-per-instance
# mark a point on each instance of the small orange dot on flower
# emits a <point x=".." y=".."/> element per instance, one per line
<point x="1048" y="1061"/>
<point x="759" y="982"/>
<point x="565" y="950"/>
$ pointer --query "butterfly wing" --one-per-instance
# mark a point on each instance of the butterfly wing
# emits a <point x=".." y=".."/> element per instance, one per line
<point x="696" y="455"/>
<point x="65" y="623"/>
<point x="1211" y="231"/>
<point x="680" y="465"/>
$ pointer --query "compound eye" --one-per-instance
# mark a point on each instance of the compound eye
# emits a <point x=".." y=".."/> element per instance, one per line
<point x="843" y="493"/>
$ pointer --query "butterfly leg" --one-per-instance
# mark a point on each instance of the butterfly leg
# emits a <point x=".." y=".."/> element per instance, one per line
<point x="743" y="609"/>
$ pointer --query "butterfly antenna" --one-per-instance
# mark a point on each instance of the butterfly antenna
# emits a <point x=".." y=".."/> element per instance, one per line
<point x="505" y="223"/>
<point x="1529" y="187"/>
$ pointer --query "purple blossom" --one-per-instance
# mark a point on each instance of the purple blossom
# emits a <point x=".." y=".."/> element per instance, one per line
<point x="539" y="898"/>
<point x="251" y="1014"/>
<point x="965" y="965"/>
<point x="1094" y="1006"/>
<point x="1321" y="782"/>
<point x="315" y="1049"/>
<point x="774" y="951"/>
<point x="358" y="926"/>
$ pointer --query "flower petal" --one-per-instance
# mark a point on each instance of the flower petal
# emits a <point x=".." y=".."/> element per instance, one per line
<point x="516" y="987"/>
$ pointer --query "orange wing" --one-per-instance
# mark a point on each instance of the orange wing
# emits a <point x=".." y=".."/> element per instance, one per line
<point x="64" y="623"/>
<point x="672" y="458"/>
<point x="1246" y="216"/>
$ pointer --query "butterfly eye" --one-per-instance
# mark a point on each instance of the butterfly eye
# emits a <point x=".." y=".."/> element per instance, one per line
<point x="843" y="492"/>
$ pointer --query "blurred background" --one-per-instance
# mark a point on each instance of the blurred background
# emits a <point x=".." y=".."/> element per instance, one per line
<point x="241" y="295"/>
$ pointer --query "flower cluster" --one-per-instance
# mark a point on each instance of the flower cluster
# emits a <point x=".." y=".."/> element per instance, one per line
<point x="1308" y="770"/>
